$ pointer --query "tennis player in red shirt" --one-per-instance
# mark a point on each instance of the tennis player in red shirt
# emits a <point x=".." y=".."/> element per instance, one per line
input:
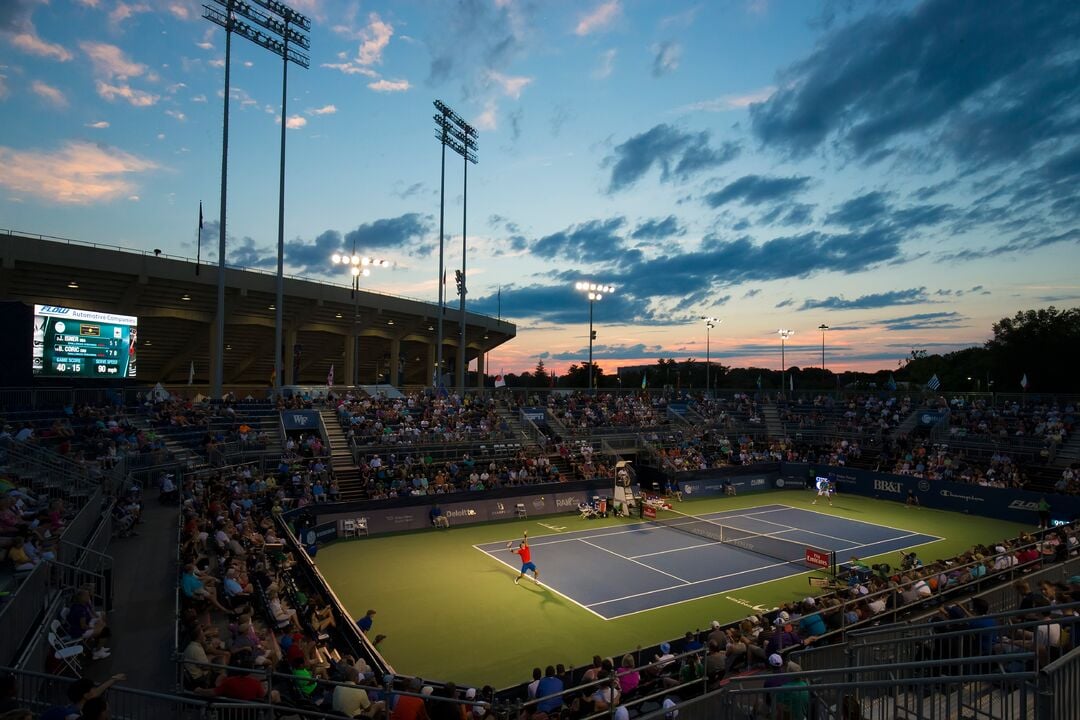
<point x="526" y="560"/>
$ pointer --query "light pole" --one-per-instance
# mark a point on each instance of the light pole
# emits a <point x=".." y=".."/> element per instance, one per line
<point x="358" y="266"/>
<point x="822" y="327"/>
<point x="595" y="293"/>
<point x="281" y="25"/>
<point x="784" y="336"/>
<point x="710" y="323"/>
<point x="459" y="136"/>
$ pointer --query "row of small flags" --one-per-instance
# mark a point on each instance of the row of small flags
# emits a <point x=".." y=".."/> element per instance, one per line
<point x="934" y="383"/>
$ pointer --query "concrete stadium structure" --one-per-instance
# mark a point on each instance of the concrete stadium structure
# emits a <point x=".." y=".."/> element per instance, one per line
<point x="395" y="336"/>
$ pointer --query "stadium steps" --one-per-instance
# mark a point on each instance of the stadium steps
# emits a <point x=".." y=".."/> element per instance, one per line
<point x="342" y="463"/>
<point x="907" y="424"/>
<point x="1069" y="453"/>
<point x="772" y="420"/>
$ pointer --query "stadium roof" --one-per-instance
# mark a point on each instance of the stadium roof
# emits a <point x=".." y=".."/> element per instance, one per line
<point x="176" y="310"/>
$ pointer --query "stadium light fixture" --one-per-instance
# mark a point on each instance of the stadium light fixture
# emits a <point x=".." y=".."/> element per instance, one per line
<point x="452" y="131"/>
<point x="784" y="335"/>
<point x="73" y="285"/>
<point x="278" y="28"/>
<point x="710" y="323"/>
<point x="595" y="292"/>
<point x="357" y="268"/>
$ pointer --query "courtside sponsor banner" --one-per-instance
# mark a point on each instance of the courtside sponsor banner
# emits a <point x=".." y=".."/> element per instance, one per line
<point x="715" y="486"/>
<point x="1002" y="503"/>
<point x="818" y="558"/>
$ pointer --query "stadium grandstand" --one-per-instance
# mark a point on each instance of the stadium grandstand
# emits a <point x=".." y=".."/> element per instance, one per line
<point x="316" y="554"/>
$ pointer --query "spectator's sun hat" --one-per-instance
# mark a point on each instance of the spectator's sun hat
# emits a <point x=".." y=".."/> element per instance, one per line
<point x="716" y="624"/>
<point x="775" y="660"/>
<point x="999" y="549"/>
<point x="810" y="601"/>
<point x="470" y="694"/>
<point x="665" y="648"/>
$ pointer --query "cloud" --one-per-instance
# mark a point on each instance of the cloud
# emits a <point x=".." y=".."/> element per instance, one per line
<point x="510" y="86"/>
<point x="295" y="122"/>
<point x="605" y="64"/>
<point x="99" y="125"/>
<point x="137" y="98"/>
<point x="677" y="152"/>
<point x="924" y="321"/>
<point x="390" y="85"/>
<point x="404" y="233"/>
<point x="890" y="78"/>
<point x="324" y="110"/>
<point x="658" y="229"/>
<point x="600" y="18"/>
<point x="911" y="296"/>
<point x="109" y="61"/>
<point x="725" y="103"/>
<point x="244" y="253"/>
<point x="789" y="214"/>
<point x="123" y="11"/>
<point x="373" y="40"/>
<point x="865" y="209"/>
<point x="28" y="42"/>
<point x="49" y="94"/>
<point x="561" y="305"/>
<point x="477" y="38"/>
<point x="592" y="241"/>
<point x="79" y="173"/>
<point x="752" y="292"/>
<point x="488" y="118"/>
<point x="176" y="115"/>
<point x="666" y="57"/>
<point x="757" y="189"/>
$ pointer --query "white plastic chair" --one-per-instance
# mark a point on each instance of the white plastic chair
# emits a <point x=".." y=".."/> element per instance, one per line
<point x="348" y="528"/>
<point x="520" y="511"/>
<point x="361" y="526"/>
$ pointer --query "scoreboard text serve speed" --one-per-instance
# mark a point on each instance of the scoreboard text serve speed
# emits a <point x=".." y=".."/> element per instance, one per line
<point x="82" y="343"/>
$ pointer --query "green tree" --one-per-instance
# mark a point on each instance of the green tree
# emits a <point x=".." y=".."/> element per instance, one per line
<point x="1042" y="344"/>
<point x="540" y="377"/>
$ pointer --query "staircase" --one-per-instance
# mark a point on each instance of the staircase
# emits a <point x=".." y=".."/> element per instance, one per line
<point x="772" y="420"/>
<point x="341" y="459"/>
<point x="1068" y="454"/>
<point x="907" y="424"/>
<point x="513" y="421"/>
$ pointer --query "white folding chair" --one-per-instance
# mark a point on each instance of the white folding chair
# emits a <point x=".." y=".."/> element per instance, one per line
<point x="520" y="511"/>
<point x="361" y="526"/>
<point x="348" y="528"/>
<point x="69" y="655"/>
<point x="61" y="634"/>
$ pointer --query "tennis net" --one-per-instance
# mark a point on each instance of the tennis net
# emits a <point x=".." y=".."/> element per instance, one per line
<point x="789" y="551"/>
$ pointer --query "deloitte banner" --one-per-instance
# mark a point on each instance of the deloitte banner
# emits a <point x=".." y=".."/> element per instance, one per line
<point x="1003" y="503"/>
<point x="418" y="517"/>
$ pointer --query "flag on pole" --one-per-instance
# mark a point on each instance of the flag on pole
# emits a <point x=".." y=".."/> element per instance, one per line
<point x="191" y="373"/>
<point x="791" y="382"/>
<point x="758" y="382"/>
<point x="891" y="384"/>
<point x="1024" y="382"/>
<point x="500" y="381"/>
<point x="330" y="376"/>
<point x="644" y="380"/>
<point x="933" y="383"/>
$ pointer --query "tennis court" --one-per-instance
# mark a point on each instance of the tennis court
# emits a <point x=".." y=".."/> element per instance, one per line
<point x="621" y="570"/>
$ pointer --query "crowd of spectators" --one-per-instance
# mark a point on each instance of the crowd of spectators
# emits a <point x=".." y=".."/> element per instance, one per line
<point x="418" y="418"/>
<point x="414" y="474"/>
<point x="581" y="412"/>
<point x="854" y="416"/>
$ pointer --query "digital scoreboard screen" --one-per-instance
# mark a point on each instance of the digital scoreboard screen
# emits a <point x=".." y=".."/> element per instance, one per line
<point x="72" y="343"/>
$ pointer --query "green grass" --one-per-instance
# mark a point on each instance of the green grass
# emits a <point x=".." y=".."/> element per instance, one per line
<point x="451" y="612"/>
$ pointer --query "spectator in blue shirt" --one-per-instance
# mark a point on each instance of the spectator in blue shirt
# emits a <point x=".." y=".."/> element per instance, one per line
<point x="549" y="685"/>
<point x="811" y="624"/>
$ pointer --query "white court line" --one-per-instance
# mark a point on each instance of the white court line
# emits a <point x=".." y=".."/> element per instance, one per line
<point x="679" y="549"/>
<point x="721" y="577"/>
<point x="545" y="585"/>
<point x="852" y="520"/>
<point x="676" y="577"/>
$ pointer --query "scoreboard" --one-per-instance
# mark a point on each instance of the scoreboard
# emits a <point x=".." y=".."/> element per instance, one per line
<point x="71" y="343"/>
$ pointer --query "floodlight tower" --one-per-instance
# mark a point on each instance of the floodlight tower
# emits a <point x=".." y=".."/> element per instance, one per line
<point x="823" y="327"/>
<point x="281" y="25"/>
<point x="784" y="335"/>
<point x="595" y="293"/>
<point x="358" y="267"/>
<point x="710" y="323"/>
<point x="453" y="132"/>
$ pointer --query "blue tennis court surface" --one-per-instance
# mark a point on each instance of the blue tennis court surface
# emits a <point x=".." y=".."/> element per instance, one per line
<point x="626" y="569"/>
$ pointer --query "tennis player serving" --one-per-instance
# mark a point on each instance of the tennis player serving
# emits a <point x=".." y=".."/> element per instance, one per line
<point x="526" y="560"/>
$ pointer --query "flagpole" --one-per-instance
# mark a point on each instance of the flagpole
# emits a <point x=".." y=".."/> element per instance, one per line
<point x="198" y="242"/>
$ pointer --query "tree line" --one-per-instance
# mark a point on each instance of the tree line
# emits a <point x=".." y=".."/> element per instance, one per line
<point x="1040" y="345"/>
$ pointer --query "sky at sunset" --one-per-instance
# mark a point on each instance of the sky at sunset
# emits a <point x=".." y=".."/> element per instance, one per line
<point x="904" y="172"/>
